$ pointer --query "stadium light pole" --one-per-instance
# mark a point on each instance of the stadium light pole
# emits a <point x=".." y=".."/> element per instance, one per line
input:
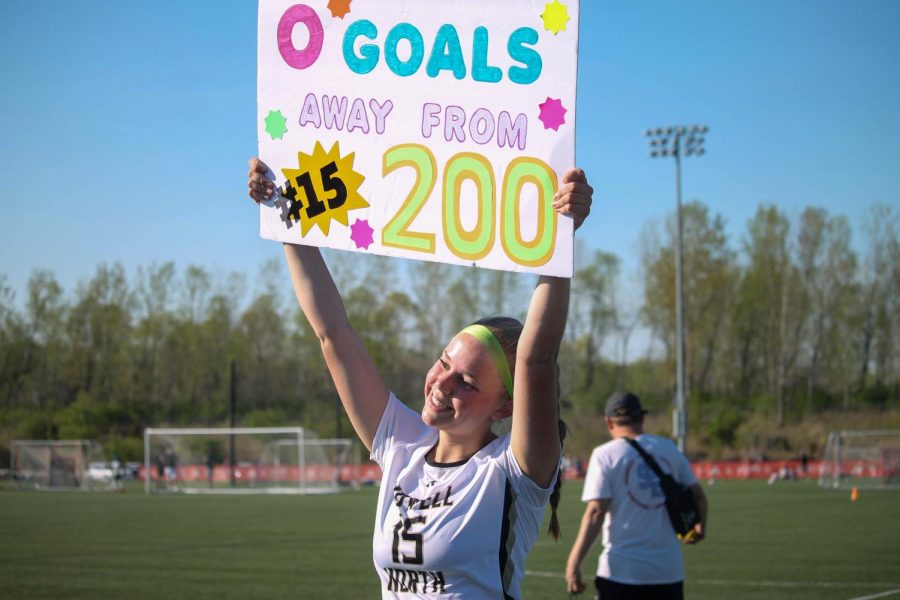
<point x="666" y="142"/>
<point x="232" y="416"/>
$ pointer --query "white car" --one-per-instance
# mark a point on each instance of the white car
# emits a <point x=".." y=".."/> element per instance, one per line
<point x="100" y="471"/>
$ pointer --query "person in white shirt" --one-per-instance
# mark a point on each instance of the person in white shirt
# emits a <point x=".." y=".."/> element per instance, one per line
<point x="459" y="507"/>
<point x="641" y="555"/>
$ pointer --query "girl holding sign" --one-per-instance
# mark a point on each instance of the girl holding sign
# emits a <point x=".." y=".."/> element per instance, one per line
<point x="459" y="508"/>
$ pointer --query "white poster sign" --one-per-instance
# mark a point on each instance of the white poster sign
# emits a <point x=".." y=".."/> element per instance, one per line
<point x="426" y="129"/>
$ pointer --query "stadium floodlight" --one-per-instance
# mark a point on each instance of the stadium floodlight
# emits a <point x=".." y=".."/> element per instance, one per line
<point x="246" y="460"/>
<point x="665" y="142"/>
<point x="60" y="465"/>
<point x="864" y="459"/>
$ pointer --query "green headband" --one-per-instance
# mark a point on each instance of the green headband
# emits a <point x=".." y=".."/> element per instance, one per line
<point x="490" y="343"/>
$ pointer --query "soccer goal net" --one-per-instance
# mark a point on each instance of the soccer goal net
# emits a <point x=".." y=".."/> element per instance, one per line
<point x="246" y="460"/>
<point x="862" y="459"/>
<point x="60" y="465"/>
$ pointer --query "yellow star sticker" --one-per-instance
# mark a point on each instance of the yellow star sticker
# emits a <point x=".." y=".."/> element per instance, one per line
<point x="555" y="17"/>
<point x="326" y="187"/>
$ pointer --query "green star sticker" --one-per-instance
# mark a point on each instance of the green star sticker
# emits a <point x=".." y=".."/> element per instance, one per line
<point x="275" y="124"/>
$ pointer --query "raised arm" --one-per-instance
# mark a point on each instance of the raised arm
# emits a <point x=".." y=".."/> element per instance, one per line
<point x="535" y="434"/>
<point x="359" y="385"/>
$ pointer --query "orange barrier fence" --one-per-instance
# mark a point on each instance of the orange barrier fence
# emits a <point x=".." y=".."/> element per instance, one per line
<point x="252" y="473"/>
<point x="369" y="471"/>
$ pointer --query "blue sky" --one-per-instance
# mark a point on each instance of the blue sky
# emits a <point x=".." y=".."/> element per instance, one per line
<point x="126" y="127"/>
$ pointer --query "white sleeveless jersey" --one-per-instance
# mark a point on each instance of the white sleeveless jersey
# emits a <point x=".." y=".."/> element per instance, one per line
<point x="459" y="530"/>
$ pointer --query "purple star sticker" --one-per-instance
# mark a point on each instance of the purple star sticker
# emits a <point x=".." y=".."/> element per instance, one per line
<point x="361" y="234"/>
<point x="552" y="113"/>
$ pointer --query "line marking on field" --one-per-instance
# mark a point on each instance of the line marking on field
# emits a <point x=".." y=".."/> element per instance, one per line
<point x="545" y="574"/>
<point x="775" y="584"/>
<point x="881" y="595"/>
<point x="792" y="584"/>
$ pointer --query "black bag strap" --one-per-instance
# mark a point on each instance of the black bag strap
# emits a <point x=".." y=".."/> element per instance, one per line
<point x="651" y="462"/>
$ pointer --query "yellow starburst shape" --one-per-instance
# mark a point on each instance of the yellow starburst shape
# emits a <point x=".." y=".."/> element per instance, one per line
<point x="555" y="17"/>
<point x="324" y="188"/>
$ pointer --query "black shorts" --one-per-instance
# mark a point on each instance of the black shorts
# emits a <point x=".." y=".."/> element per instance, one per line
<point x="613" y="590"/>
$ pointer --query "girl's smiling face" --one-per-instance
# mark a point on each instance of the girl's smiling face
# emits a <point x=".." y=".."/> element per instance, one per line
<point x="463" y="391"/>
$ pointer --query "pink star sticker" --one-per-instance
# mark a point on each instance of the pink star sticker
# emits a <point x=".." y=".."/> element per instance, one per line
<point x="552" y="113"/>
<point x="361" y="234"/>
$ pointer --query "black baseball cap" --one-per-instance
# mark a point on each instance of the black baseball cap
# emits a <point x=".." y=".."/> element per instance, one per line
<point x="621" y="404"/>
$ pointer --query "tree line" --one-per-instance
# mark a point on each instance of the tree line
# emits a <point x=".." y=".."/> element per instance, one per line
<point x="785" y="324"/>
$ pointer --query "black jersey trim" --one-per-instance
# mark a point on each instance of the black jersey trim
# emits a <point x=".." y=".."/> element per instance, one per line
<point x="440" y="465"/>
<point x="506" y="540"/>
<point x="443" y="465"/>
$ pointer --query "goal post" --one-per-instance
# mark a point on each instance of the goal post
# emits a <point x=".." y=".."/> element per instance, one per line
<point x="245" y="460"/>
<point x="60" y="465"/>
<point x="864" y="459"/>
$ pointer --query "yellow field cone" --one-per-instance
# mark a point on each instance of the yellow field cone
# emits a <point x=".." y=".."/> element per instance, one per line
<point x="854" y="494"/>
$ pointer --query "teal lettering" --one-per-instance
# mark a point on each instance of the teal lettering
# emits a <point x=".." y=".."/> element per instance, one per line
<point x="481" y="71"/>
<point x="369" y="53"/>
<point x="527" y="56"/>
<point x="404" y="31"/>
<point x="450" y="57"/>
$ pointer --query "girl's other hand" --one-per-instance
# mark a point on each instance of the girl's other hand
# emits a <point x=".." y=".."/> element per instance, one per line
<point x="575" y="196"/>
<point x="261" y="188"/>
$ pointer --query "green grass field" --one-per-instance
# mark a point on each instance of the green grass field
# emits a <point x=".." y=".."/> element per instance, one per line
<point x="791" y="540"/>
